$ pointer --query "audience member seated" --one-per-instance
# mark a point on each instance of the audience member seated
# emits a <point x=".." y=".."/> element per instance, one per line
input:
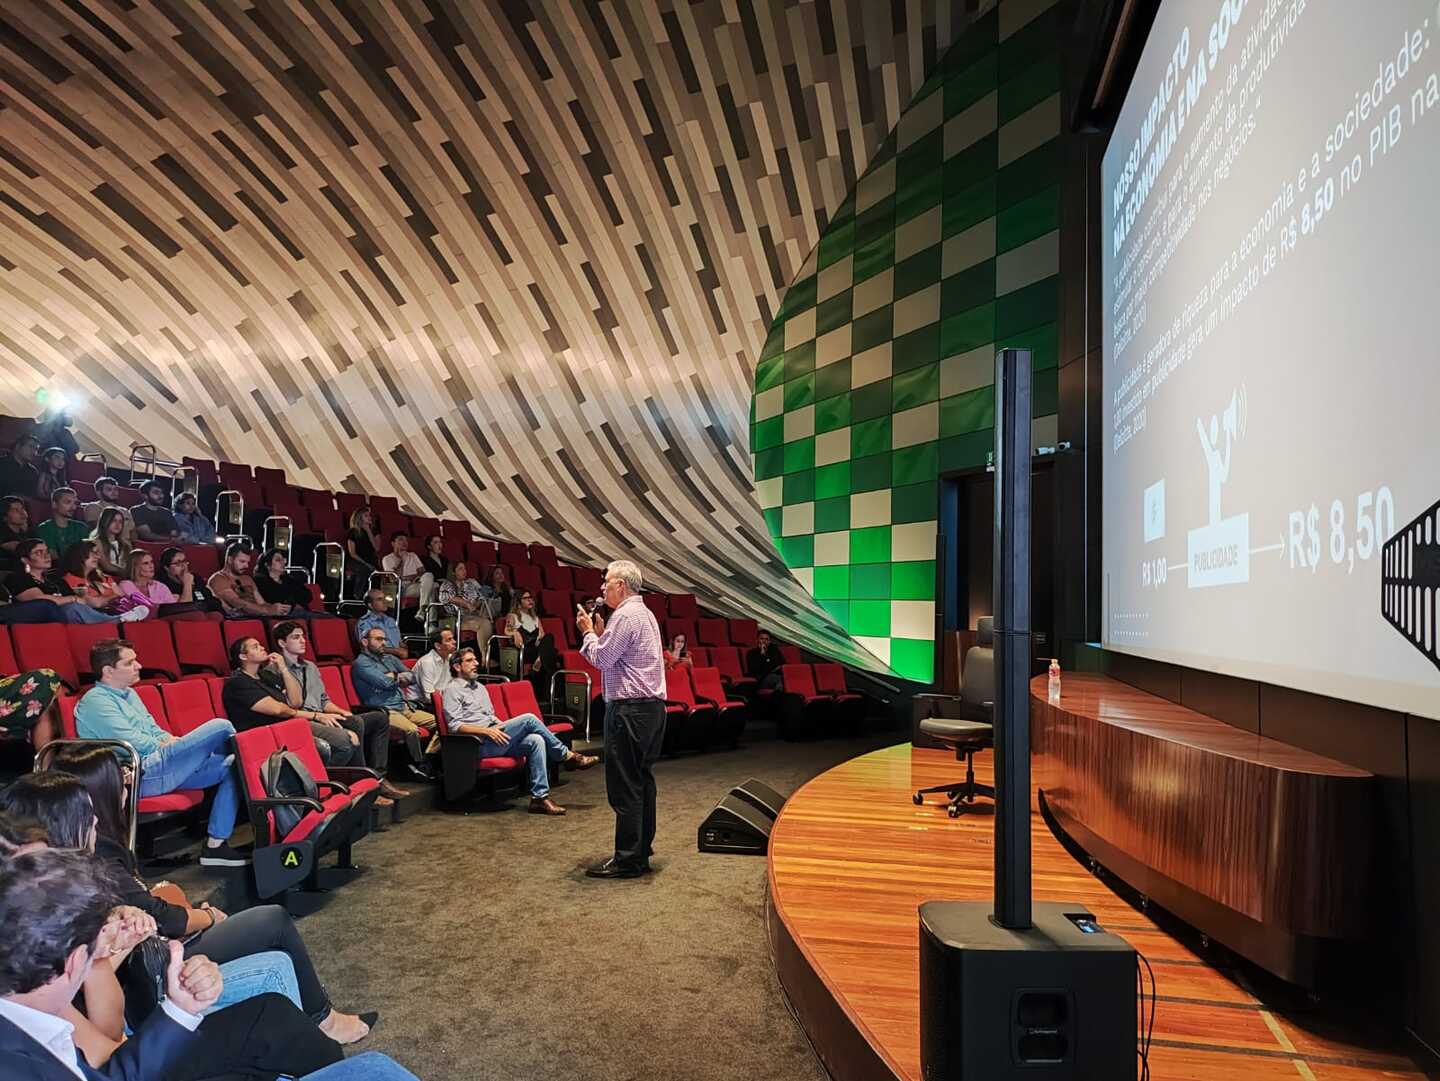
<point x="154" y="521"/>
<point x="63" y="528"/>
<point x="370" y="728"/>
<point x="18" y="475"/>
<point x="539" y="657"/>
<point x="469" y="712"/>
<point x="415" y="580"/>
<point x="175" y="575"/>
<point x="276" y="586"/>
<point x="763" y="661"/>
<point x="497" y="590"/>
<point x="96" y="588"/>
<point x="140" y="581"/>
<point x="40" y="581"/>
<point x="433" y="558"/>
<point x="259" y="692"/>
<point x="201" y="759"/>
<point x="14" y="528"/>
<point x="191" y="527"/>
<point x="361" y="559"/>
<point x="114" y="546"/>
<point x="678" y="653"/>
<point x="28" y="706"/>
<point x="469" y="596"/>
<point x="54" y="469"/>
<point x="52" y="429"/>
<point x="432" y="671"/>
<point x="107" y="492"/>
<point x="237" y="592"/>
<point x="378" y="617"/>
<point x="383" y="682"/>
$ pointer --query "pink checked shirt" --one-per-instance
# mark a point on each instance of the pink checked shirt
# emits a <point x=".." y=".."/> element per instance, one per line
<point x="628" y="654"/>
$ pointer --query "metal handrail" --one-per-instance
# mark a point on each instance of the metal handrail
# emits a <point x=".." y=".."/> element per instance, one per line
<point x="132" y="802"/>
<point x="315" y="575"/>
<point x="589" y="686"/>
<point x="282" y="537"/>
<point x="233" y="499"/>
<point x="176" y="487"/>
<point x="138" y="458"/>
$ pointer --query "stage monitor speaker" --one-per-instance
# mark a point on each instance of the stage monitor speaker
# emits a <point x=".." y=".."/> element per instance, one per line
<point x="740" y="823"/>
<point x="1051" y="1002"/>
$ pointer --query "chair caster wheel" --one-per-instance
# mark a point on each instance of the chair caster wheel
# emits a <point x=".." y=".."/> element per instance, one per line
<point x="954" y="810"/>
<point x="918" y="798"/>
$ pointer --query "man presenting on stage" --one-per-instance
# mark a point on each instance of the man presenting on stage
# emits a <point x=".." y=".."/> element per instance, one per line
<point x="628" y="654"/>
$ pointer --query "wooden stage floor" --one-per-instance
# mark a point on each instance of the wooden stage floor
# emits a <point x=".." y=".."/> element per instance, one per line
<point x="850" y="859"/>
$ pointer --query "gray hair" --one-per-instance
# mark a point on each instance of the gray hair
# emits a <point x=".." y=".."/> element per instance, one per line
<point x="627" y="572"/>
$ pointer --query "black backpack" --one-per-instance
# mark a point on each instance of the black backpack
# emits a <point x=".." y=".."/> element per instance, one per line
<point x="284" y="774"/>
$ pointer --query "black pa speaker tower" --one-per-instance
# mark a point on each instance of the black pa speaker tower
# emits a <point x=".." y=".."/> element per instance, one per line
<point x="740" y="823"/>
<point x="1015" y="990"/>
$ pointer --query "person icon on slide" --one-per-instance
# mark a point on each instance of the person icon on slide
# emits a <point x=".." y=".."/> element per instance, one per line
<point x="1219" y="465"/>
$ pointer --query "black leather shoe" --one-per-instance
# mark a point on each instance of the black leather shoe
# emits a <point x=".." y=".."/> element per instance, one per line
<point x="611" y="869"/>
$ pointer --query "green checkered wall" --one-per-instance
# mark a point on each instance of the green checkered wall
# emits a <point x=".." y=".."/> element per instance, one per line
<point x="877" y="372"/>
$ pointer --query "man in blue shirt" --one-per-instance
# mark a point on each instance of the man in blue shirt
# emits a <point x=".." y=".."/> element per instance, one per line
<point x="202" y="759"/>
<point x="377" y="616"/>
<point x="383" y="682"/>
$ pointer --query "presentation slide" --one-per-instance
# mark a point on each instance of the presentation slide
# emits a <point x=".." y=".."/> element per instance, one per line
<point x="1271" y="266"/>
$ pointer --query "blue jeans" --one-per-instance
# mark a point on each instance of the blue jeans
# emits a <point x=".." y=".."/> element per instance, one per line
<point x="80" y="612"/>
<point x="199" y="760"/>
<point x="371" y="1066"/>
<point x="270" y="971"/>
<point x="530" y="739"/>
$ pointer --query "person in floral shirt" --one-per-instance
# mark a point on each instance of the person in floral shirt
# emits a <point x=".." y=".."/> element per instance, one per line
<point x="27" y="706"/>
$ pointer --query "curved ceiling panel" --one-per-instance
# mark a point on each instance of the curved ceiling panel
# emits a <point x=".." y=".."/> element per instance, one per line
<point x="512" y="260"/>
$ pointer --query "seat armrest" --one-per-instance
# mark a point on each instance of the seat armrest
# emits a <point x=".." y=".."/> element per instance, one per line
<point x="331" y="783"/>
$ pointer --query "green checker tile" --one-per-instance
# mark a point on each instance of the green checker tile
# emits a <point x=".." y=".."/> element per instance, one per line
<point x="799" y="487"/>
<point x="832" y="583"/>
<point x="1029" y="88"/>
<point x="832" y="313"/>
<point x="877" y="221"/>
<point x="1037" y="39"/>
<point x="799" y="455"/>
<point x="800" y="360"/>
<point x="968" y="289"/>
<point x="918" y="195"/>
<point x="969" y="451"/>
<point x="919" y="159"/>
<point x="913" y="659"/>
<point x="915" y="465"/>
<point x="870" y="474"/>
<point x="969" y="412"/>
<point x="770" y="373"/>
<point x="1045" y="392"/>
<point x="1029" y="307"/>
<point x="870" y="401"/>
<point x="870" y="545"/>
<point x="870" y="619"/>
<point x="798" y="297"/>
<point x="838" y="242"/>
<point x="914" y="502"/>
<point x="915" y="273"/>
<point x="870" y="437"/>
<point x="970" y="166"/>
<point x="832" y="379"/>
<point x="798" y="551"/>
<point x="775" y="343"/>
<point x="1029" y="174"/>
<point x="799" y="392"/>
<point x="769" y="463"/>
<point x="873" y="257"/>
<point x="832" y="515"/>
<point x="915" y="387"/>
<point x="968" y="330"/>
<point x="1027" y="219"/>
<point x="870" y="582"/>
<point x="965" y="88"/>
<point x="913" y="581"/>
<point x="839" y="609"/>
<point x="1043" y="343"/>
<point x="871" y="329"/>
<point x="916" y="349"/>
<point x="832" y="481"/>
<point x="768" y="433"/>
<point x="968" y="207"/>
<point x="832" y="413"/>
<point x="772" y="519"/>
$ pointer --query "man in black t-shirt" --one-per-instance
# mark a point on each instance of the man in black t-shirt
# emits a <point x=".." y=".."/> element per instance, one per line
<point x="154" y="521"/>
<point x="18" y="475"/>
<point x="762" y="663"/>
<point x="259" y="692"/>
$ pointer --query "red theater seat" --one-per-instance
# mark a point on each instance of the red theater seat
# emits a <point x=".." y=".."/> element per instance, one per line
<point x="790" y="653"/>
<point x="687" y="729"/>
<point x="331" y="640"/>
<point x="154" y="645"/>
<point x="743" y="632"/>
<point x="45" y="645"/>
<point x="512" y="552"/>
<point x="235" y="629"/>
<point x="728" y="660"/>
<point x="517" y="698"/>
<point x="588" y="580"/>
<point x="81" y="637"/>
<point x="850" y="707"/>
<point x="730" y="713"/>
<point x="462" y="767"/>
<point x="188" y="705"/>
<point x="683" y="606"/>
<point x="674" y="626"/>
<point x="658" y="604"/>
<point x="803" y="709"/>
<point x="201" y="648"/>
<point x="8" y="664"/>
<point x="712" y="632"/>
<point x="204" y="560"/>
<point x="555" y="576"/>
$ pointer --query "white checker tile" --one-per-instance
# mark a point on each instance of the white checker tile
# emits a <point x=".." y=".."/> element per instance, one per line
<point x="833" y="346"/>
<point x="1034" y="127"/>
<point x="967" y="128"/>
<point x="880" y="647"/>
<point x="920" y="119"/>
<point x="964" y="250"/>
<point x="874" y="292"/>
<point x="911" y="541"/>
<point x="912" y="619"/>
<point x="800" y="328"/>
<point x="874" y="186"/>
<point x="799" y="423"/>
<point x="917" y="310"/>
<point x="1015" y="14"/>
<point x="806" y="577"/>
<point x="832" y="549"/>
<point x="870" y="366"/>
<point x="918" y="425"/>
<point x="870" y="509"/>
<point x="835" y="278"/>
<point x="797" y="520"/>
<point x="832" y="447"/>
<point x="967" y="371"/>
<point x="770" y="403"/>
<point x="1027" y="264"/>
<point x="770" y="492"/>
<point x="917" y="234"/>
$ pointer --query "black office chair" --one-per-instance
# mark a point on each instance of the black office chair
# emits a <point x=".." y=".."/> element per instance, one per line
<point x="976" y="730"/>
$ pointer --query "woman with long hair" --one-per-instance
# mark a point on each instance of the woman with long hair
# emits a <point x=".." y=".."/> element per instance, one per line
<point x="274" y="583"/>
<point x="53" y="472"/>
<point x="205" y="929"/>
<point x="141" y="580"/>
<point x="172" y="570"/>
<point x="433" y="557"/>
<point x="539" y="659"/>
<point x="95" y="588"/>
<point x="110" y="536"/>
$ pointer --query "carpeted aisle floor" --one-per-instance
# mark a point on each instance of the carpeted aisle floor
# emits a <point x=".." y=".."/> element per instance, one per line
<point x="490" y="955"/>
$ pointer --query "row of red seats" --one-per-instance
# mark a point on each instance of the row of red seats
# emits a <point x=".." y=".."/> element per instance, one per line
<point x="815" y="699"/>
<point x="699" y="712"/>
<point x="461" y="764"/>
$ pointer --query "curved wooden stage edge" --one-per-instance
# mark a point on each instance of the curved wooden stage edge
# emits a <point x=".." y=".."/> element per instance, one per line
<point x="851" y="857"/>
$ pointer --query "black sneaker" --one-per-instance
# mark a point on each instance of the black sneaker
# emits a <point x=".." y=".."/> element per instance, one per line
<point x="222" y="855"/>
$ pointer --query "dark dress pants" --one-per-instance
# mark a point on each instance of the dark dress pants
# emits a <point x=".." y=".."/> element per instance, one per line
<point x="373" y="728"/>
<point x="255" y="930"/>
<point x="258" y="1039"/>
<point x="634" y="730"/>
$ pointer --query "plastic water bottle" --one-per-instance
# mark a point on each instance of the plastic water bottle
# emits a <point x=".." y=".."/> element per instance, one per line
<point x="1054" y="688"/>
